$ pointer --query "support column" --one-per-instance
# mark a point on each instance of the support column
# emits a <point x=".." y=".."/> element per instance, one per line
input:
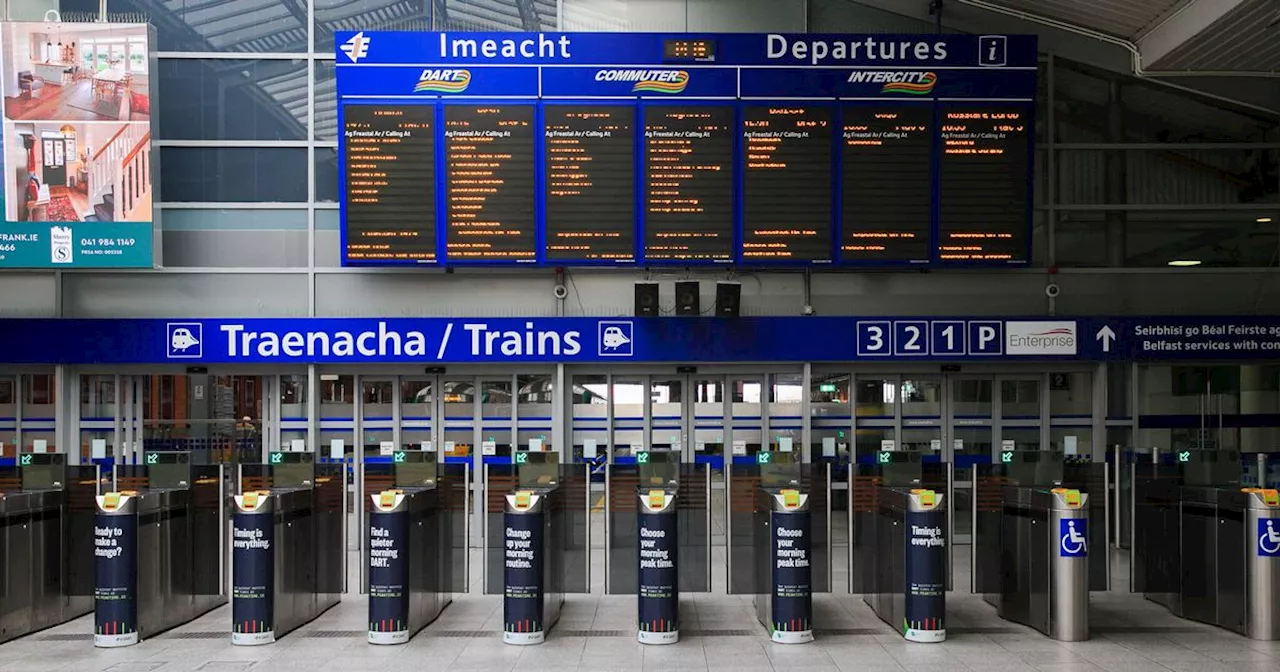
<point x="1116" y="169"/>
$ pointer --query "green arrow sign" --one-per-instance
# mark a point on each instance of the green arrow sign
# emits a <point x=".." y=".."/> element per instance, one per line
<point x="26" y="460"/>
<point x="398" y="456"/>
<point x="522" y="458"/>
<point x="1006" y="456"/>
<point x="764" y="457"/>
<point x="277" y="458"/>
<point x="1184" y="456"/>
<point x="885" y="457"/>
<point x="642" y="458"/>
<point x="153" y="458"/>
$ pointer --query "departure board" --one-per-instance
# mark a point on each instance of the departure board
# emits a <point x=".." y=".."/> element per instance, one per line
<point x="887" y="183"/>
<point x="786" y="198"/>
<point x="490" y="180"/>
<point x="984" y="192"/>
<point x="389" y="153"/>
<point x="589" y="164"/>
<point x="689" y="190"/>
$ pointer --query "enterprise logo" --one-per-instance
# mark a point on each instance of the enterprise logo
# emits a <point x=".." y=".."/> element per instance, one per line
<point x="915" y="83"/>
<point x="443" y="81"/>
<point x="1040" y="338"/>
<point x="653" y="81"/>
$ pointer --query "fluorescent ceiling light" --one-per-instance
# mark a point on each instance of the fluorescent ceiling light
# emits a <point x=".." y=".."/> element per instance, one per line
<point x="1185" y="262"/>
<point x="1264" y="220"/>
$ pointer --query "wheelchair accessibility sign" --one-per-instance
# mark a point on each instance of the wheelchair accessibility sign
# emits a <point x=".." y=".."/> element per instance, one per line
<point x="1269" y="538"/>
<point x="1073" y="534"/>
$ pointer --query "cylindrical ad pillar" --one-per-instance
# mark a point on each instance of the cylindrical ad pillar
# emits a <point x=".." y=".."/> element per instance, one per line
<point x="1263" y="562"/>
<point x="523" y="589"/>
<point x="1069" y="574"/>
<point x="926" y="568"/>
<point x="115" y="570"/>
<point x="253" y="566"/>
<point x="790" y="557"/>
<point x="659" y="583"/>
<point x="388" y="568"/>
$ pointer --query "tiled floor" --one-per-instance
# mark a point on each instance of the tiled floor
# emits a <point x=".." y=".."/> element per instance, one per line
<point x="595" y="633"/>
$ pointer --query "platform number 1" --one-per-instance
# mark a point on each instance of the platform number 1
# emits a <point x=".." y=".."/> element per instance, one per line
<point x="948" y="337"/>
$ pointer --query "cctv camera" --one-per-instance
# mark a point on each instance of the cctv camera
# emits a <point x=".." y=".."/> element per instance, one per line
<point x="1051" y="290"/>
<point x="560" y="291"/>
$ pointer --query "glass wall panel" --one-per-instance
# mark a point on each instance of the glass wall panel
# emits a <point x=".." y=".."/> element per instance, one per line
<point x="237" y="174"/>
<point x="97" y="398"/>
<point x="216" y="99"/>
<point x="1071" y="394"/>
<point x="876" y="397"/>
<point x="1020" y="398"/>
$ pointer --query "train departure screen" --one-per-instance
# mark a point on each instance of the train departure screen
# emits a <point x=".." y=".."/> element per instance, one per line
<point x="887" y="185"/>
<point x="983" y="191"/>
<point x="389" y="155"/>
<point x="786" y="199"/>
<point x="490" y="178"/>
<point x="688" y="183"/>
<point x="590" y="182"/>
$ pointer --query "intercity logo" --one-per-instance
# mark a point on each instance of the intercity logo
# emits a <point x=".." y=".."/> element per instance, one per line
<point x="652" y="81"/>
<point x="443" y="81"/>
<point x="357" y="47"/>
<point x="914" y="83"/>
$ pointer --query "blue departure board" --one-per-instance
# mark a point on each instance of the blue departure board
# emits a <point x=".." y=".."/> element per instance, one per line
<point x="744" y="150"/>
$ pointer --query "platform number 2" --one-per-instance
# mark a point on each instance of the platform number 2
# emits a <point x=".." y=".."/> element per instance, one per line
<point x="912" y="338"/>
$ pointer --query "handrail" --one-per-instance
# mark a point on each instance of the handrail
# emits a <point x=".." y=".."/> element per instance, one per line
<point x="137" y="148"/>
<point x="107" y="144"/>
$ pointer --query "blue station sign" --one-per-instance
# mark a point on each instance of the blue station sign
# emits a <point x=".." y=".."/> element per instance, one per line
<point x="624" y="339"/>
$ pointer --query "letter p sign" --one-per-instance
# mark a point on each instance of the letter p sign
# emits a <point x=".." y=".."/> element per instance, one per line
<point x="985" y="338"/>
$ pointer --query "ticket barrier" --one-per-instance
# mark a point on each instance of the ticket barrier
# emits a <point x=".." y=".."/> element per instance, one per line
<point x="1040" y="540"/>
<point x="779" y="540"/>
<point x="657" y="538"/>
<point x="1204" y="547"/>
<point x="415" y="550"/>
<point x="900" y="527"/>
<point x="160" y="548"/>
<point x="288" y="562"/>
<point x="536" y="540"/>
<point x="46" y="533"/>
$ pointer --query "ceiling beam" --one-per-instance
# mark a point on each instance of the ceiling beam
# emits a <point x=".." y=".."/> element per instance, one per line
<point x="1184" y="24"/>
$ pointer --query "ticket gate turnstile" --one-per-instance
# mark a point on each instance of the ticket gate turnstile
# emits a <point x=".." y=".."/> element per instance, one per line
<point x="1204" y="547"/>
<point x="415" y="550"/>
<point x="900" y="550"/>
<point x="46" y="533"/>
<point x="657" y="538"/>
<point x="288" y="546"/>
<point x="160" y="548"/>
<point x="779" y="540"/>
<point x="1040" y="539"/>
<point x="536" y="539"/>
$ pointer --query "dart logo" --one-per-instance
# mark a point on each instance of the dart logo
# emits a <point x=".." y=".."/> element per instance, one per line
<point x="435" y="80"/>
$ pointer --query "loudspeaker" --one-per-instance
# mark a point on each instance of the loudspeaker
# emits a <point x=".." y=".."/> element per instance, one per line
<point x="646" y="299"/>
<point x="688" y="297"/>
<point x="728" y="298"/>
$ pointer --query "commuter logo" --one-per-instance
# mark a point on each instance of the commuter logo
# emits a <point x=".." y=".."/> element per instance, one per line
<point x="615" y="339"/>
<point x="357" y="47"/>
<point x="436" y="80"/>
<point x="912" y="83"/>
<point x="1269" y="538"/>
<point x="61" y="245"/>
<point x="184" y="340"/>
<point x="648" y="81"/>
<point x="1073" y="536"/>
<point x="1040" y="338"/>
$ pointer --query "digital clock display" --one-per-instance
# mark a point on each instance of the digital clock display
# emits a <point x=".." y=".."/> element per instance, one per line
<point x="689" y="50"/>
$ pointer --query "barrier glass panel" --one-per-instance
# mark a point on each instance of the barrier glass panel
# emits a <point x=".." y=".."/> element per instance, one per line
<point x="989" y="481"/>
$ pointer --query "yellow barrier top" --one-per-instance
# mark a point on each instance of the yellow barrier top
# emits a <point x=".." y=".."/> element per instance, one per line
<point x="656" y="499"/>
<point x="791" y="498"/>
<point x="1271" y="497"/>
<point x="111" y="500"/>
<point x="927" y="497"/>
<point x="388" y="498"/>
<point x="251" y="500"/>
<point x="523" y="499"/>
<point x="1070" y="496"/>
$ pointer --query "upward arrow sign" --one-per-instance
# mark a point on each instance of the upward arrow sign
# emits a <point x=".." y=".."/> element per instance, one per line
<point x="1107" y="337"/>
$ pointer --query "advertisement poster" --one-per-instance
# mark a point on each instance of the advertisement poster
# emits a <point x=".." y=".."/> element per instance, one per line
<point x="659" y="582"/>
<point x="926" y="566"/>
<point x="252" y="577"/>
<point x="388" y="576"/>
<point x="522" y="579"/>
<point x="792" y="576"/>
<point x="115" y="569"/>
<point x="76" y="146"/>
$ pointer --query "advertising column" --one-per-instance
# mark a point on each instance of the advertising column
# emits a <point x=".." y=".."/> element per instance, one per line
<point x="115" y="570"/>
<point x="253" y="570"/>
<point x="926" y="565"/>
<point x="522" y="596"/>
<point x="659" y="584"/>
<point x="792" y="575"/>
<point x="388" y="569"/>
